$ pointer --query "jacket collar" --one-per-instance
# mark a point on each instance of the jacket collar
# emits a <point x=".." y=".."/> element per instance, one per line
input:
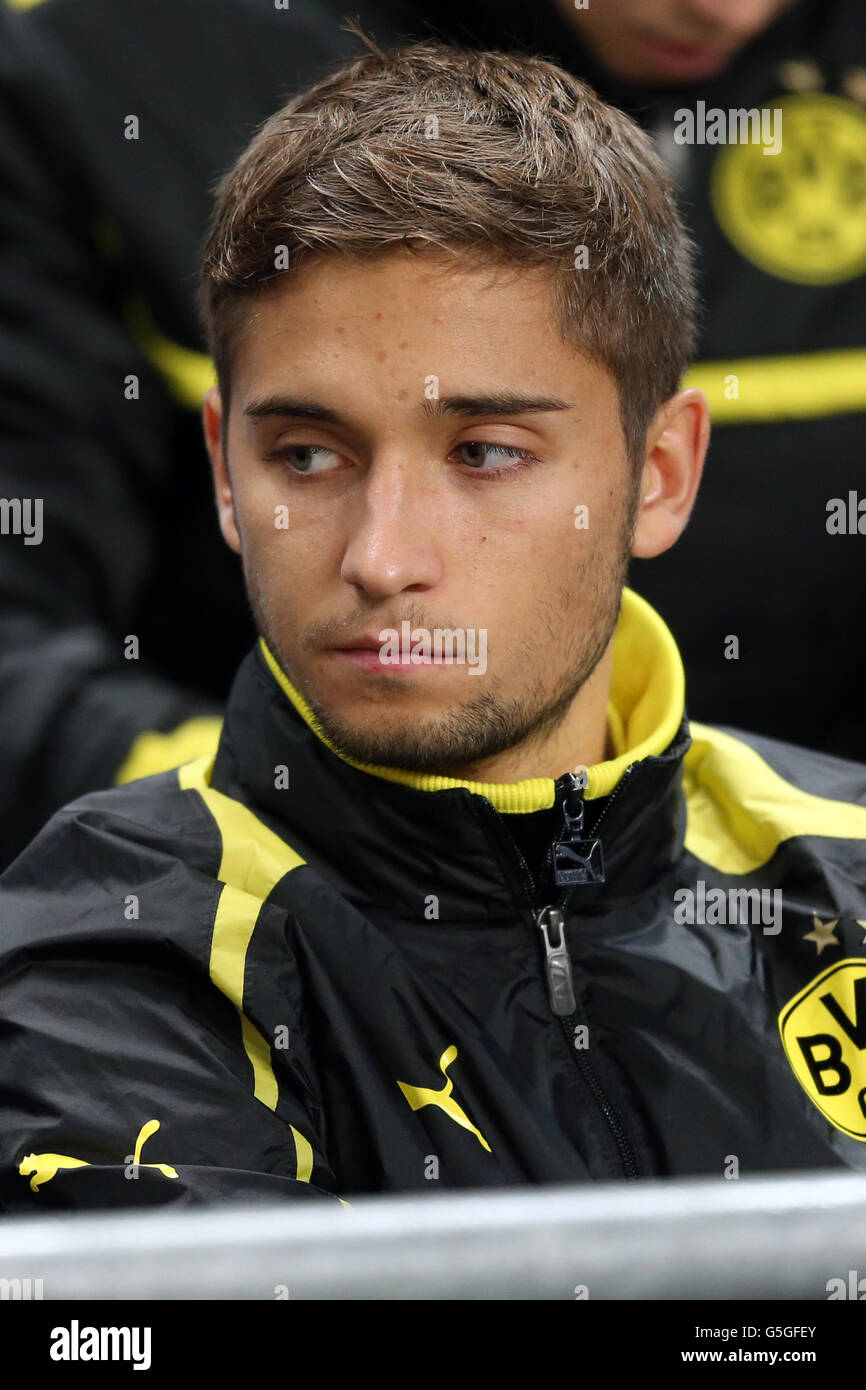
<point x="390" y="839"/>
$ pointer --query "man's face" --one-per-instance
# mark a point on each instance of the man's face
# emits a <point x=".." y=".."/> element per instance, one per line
<point x="660" y="41"/>
<point x="384" y="470"/>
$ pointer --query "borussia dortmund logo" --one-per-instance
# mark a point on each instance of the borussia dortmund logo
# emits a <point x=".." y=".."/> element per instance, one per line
<point x="800" y="214"/>
<point x="823" y="1032"/>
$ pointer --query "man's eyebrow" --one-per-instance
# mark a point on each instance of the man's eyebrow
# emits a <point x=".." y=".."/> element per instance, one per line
<point x="288" y="405"/>
<point x="498" y="403"/>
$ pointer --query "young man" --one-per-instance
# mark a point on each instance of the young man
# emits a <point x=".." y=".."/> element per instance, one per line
<point x="141" y="105"/>
<point x="462" y="900"/>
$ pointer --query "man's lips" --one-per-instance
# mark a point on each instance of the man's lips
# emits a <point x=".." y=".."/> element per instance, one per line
<point x="688" y="58"/>
<point x="364" y="653"/>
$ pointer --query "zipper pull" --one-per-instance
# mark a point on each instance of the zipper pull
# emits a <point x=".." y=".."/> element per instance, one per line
<point x="560" y="987"/>
<point x="575" y="860"/>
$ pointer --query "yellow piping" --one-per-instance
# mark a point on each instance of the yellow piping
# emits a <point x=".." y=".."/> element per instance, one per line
<point x="254" y="860"/>
<point x="788" y="386"/>
<point x="740" y="810"/>
<point x="804" y="386"/>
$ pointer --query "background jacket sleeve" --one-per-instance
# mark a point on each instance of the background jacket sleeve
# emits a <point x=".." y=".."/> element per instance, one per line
<point x="124" y="1080"/>
<point x="70" y="704"/>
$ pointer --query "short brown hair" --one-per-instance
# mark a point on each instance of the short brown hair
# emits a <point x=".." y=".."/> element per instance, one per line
<point x="494" y="157"/>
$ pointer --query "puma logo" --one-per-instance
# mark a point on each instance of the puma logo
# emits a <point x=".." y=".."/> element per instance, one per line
<point x="43" y="1167"/>
<point x="425" y="1095"/>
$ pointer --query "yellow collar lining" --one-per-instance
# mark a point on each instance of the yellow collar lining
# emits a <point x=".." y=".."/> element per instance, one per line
<point x="645" y="709"/>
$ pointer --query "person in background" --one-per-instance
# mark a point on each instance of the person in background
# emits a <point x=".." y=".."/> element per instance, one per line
<point x="768" y="621"/>
<point x="122" y="617"/>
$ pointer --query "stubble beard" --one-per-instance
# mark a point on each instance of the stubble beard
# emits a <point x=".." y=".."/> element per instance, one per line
<point x="489" y="723"/>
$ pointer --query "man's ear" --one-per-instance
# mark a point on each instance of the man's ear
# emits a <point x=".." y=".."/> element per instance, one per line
<point x="212" y="411"/>
<point x="676" y="446"/>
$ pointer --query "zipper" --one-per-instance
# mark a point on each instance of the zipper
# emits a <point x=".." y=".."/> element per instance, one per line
<point x="614" y="794"/>
<point x="572" y="859"/>
<point x="560" y="985"/>
<point x="576" y="786"/>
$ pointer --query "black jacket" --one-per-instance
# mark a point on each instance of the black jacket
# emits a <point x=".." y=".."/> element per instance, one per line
<point x="285" y="975"/>
<point x="99" y="237"/>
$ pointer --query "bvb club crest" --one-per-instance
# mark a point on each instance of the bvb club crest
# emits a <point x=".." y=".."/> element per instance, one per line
<point x="801" y="214"/>
<point x="823" y="1032"/>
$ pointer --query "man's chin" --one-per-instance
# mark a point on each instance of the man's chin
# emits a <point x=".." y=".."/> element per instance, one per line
<point x="416" y="730"/>
<point x="397" y="743"/>
<point x="392" y="697"/>
<point x="374" y="732"/>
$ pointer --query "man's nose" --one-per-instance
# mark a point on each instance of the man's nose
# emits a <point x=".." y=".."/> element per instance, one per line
<point x="393" y="545"/>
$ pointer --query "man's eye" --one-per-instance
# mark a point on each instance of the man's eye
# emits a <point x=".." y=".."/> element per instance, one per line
<point x="308" y="458"/>
<point x="305" y="460"/>
<point x="481" y="456"/>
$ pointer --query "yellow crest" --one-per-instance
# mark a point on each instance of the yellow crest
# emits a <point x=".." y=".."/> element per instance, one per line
<point x="823" y="1032"/>
<point x="799" y="214"/>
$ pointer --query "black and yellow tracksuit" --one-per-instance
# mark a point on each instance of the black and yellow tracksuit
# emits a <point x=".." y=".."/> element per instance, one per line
<point x="102" y="368"/>
<point x="282" y="974"/>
